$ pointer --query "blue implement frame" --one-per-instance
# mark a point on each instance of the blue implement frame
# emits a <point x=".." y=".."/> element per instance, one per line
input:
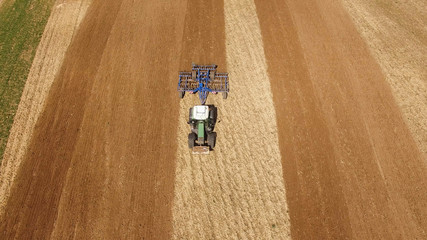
<point x="203" y="79"/>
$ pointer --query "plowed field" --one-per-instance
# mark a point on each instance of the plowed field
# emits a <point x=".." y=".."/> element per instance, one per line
<point x="312" y="142"/>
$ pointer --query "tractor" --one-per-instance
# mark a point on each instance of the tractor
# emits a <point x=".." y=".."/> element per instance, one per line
<point x="203" y="79"/>
<point x="202" y="119"/>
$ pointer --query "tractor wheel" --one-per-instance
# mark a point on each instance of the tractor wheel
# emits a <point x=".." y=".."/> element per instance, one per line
<point x="181" y="94"/>
<point x="224" y="95"/>
<point x="191" y="140"/>
<point x="189" y="115"/>
<point x="213" y="113"/>
<point x="212" y="139"/>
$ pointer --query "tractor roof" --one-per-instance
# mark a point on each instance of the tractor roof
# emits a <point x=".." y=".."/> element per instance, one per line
<point x="200" y="112"/>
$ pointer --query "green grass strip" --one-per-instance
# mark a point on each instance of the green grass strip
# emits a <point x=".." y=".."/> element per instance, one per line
<point x="22" y="23"/>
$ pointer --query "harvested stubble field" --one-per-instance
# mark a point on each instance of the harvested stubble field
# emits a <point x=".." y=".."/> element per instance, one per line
<point x="317" y="140"/>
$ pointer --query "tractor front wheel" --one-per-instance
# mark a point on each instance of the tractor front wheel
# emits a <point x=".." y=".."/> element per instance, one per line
<point x="224" y="95"/>
<point x="181" y="94"/>
<point x="191" y="140"/>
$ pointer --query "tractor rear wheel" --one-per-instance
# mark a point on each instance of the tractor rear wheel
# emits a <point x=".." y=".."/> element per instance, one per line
<point x="224" y="95"/>
<point x="213" y="113"/>
<point x="212" y="139"/>
<point x="181" y="94"/>
<point x="191" y="140"/>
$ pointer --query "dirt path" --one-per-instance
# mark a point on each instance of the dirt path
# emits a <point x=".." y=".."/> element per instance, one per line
<point x="102" y="157"/>
<point x="397" y="36"/>
<point x="351" y="167"/>
<point x="60" y="29"/>
<point x="237" y="192"/>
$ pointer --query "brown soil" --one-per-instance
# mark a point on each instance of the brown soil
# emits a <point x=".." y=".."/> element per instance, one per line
<point x="65" y="18"/>
<point x="396" y="34"/>
<point x="1" y="2"/>
<point x="351" y="167"/>
<point x="101" y="159"/>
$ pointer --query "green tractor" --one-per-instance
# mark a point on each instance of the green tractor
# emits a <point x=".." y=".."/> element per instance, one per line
<point x="202" y="121"/>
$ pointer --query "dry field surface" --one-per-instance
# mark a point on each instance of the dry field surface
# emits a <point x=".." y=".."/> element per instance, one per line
<point x="396" y="32"/>
<point x="320" y="137"/>
<point x="61" y="27"/>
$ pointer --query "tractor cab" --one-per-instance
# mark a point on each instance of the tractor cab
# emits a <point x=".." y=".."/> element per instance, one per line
<point x="202" y="121"/>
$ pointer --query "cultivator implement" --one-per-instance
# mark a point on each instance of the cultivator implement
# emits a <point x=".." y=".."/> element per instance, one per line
<point x="203" y="79"/>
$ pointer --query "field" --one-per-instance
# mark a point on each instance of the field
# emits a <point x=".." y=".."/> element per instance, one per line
<point x="21" y="27"/>
<point x="323" y="135"/>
